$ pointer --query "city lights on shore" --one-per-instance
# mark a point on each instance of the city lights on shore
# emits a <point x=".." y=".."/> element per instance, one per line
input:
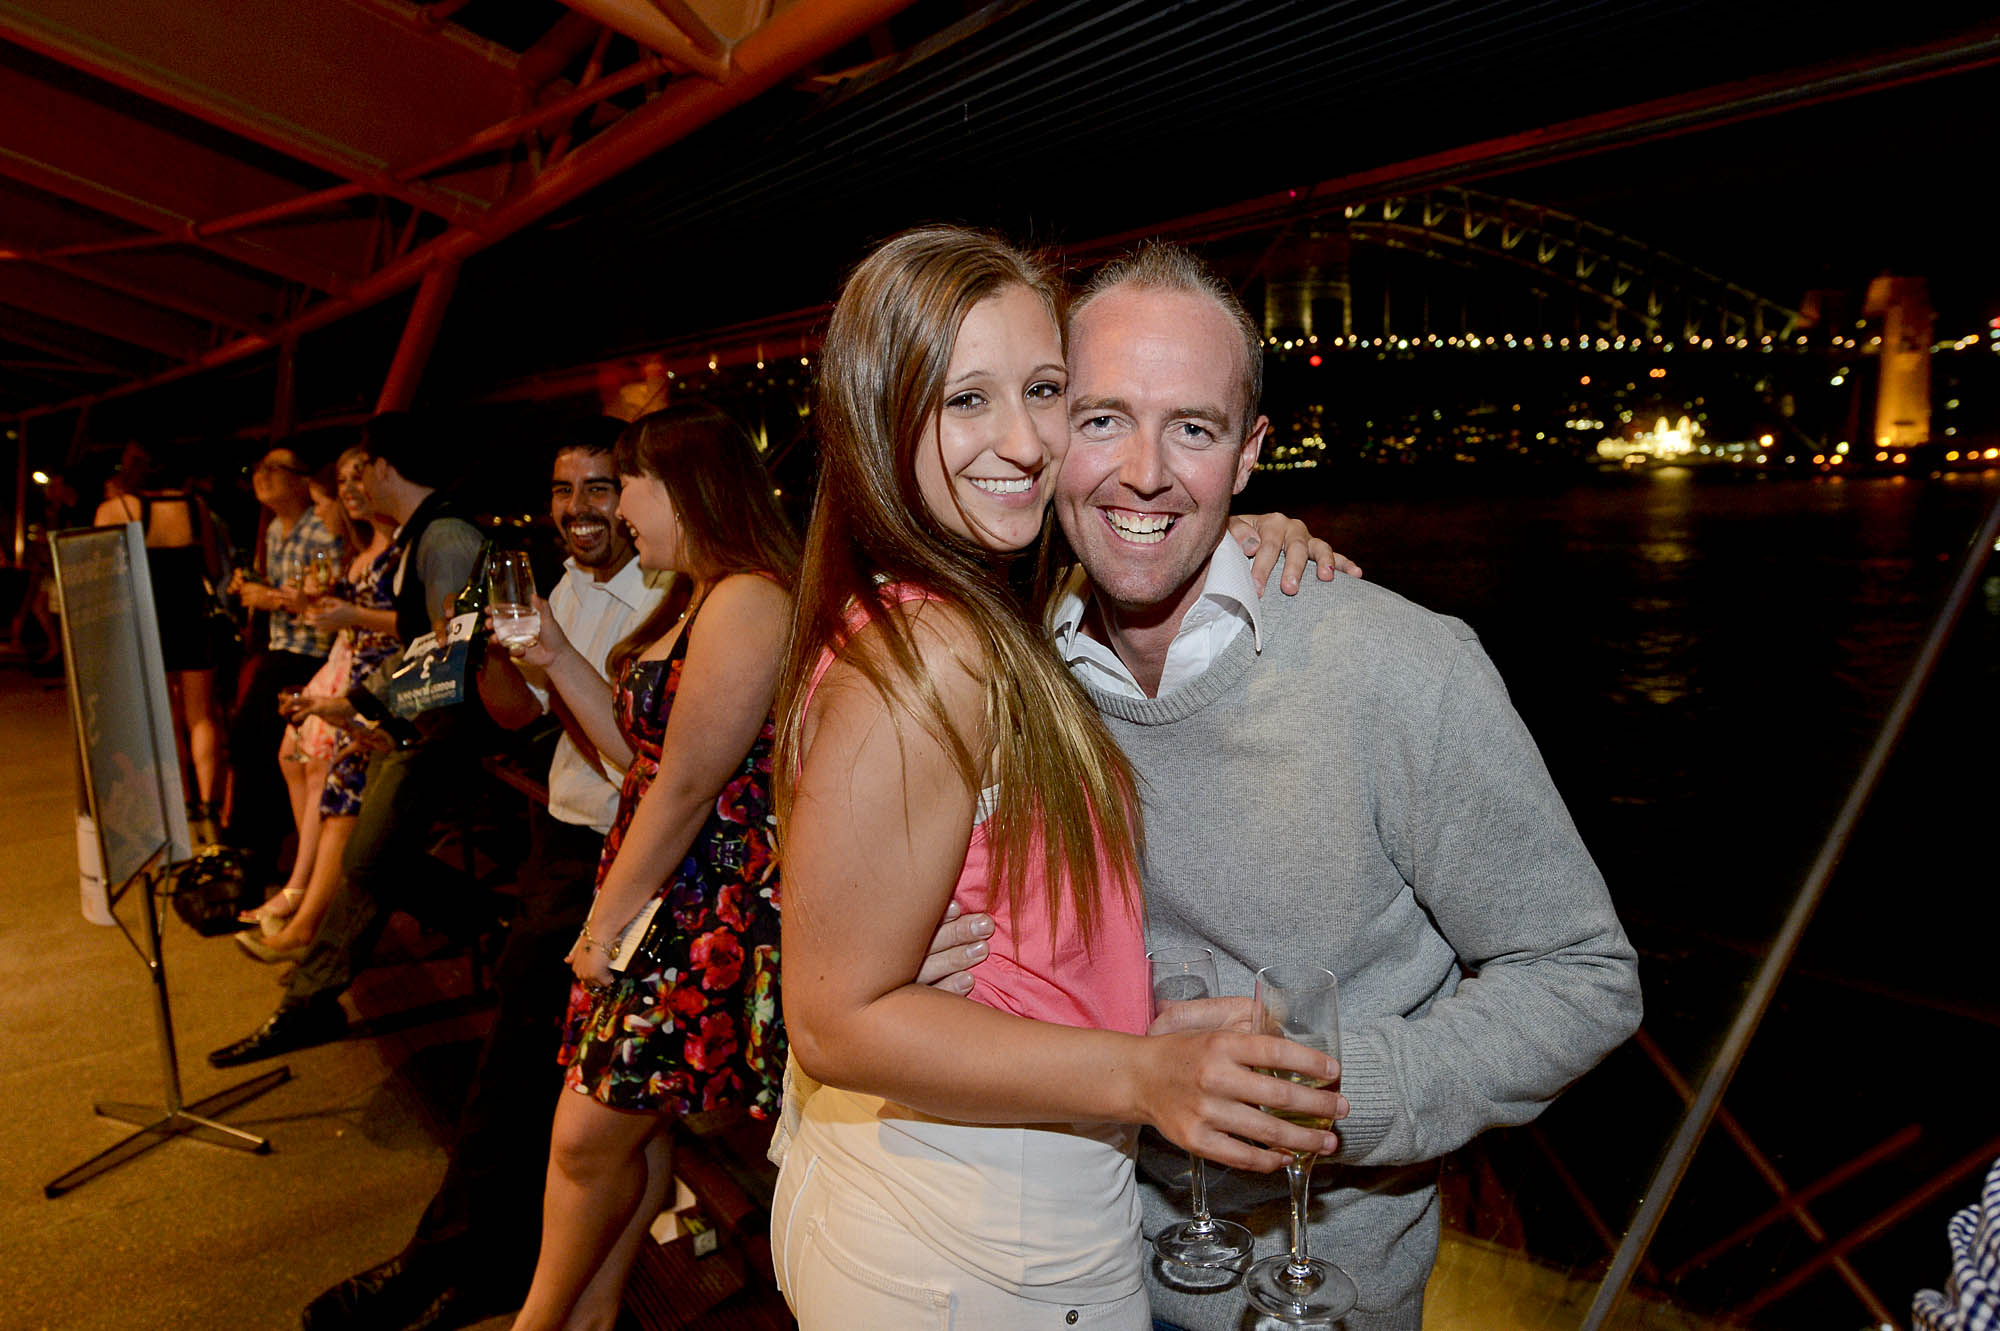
<point x="1690" y="340"/>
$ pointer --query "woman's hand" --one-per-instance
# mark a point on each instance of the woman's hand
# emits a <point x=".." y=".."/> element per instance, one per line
<point x="1207" y="1091"/>
<point x="547" y="644"/>
<point x="591" y="962"/>
<point x="256" y="596"/>
<point x="365" y="739"/>
<point x="337" y="711"/>
<point x="333" y="612"/>
<point x="1264" y="537"/>
<point x="330" y="612"/>
<point x="958" y="945"/>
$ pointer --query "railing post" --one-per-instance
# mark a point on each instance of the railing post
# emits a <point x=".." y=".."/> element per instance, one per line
<point x="1708" y="1098"/>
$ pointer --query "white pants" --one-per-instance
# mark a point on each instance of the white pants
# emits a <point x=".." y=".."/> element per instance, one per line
<point x="844" y="1263"/>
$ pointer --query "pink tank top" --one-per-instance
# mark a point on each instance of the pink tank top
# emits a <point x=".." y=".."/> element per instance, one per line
<point x="1027" y="971"/>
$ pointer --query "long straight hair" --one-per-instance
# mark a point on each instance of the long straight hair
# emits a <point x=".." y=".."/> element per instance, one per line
<point x="1063" y="782"/>
<point x="730" y="521"/>
<point x="356" y="533"/>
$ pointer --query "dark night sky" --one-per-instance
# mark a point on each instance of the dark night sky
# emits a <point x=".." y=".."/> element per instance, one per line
<point x="1826" y="196"/>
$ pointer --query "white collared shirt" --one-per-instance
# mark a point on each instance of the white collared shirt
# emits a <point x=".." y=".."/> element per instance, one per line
<point x="594" y="616"/>
<point x="1227" y="606"/>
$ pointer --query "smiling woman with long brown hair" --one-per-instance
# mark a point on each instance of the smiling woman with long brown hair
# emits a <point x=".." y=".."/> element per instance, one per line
<point x="943" y="1153"/>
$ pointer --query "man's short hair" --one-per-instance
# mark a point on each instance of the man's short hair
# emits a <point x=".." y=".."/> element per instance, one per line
<point x="413" y="446"/>
<point x="587" y="434"/>
<point x="1157" y="265"/>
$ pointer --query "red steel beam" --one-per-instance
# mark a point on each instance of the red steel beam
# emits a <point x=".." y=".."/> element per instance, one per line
<point x="552" y="53"/>
<point x="85" y="362"/>
<point x="70" y="147"/>
<point x="642" y="21"/>
<point x="216" y="64"/>
<point x="790" y="41"/>
<point x="106" y="313"/>
<point x="153" y="294"/>
<point x="419" y="336"/>
<point x="493" y="136"/>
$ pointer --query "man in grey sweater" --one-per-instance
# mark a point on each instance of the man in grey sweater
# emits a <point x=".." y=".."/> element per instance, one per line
<point x="1335" y="779"/>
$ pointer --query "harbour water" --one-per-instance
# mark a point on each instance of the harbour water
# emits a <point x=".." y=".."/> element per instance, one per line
<point x="1705" y="661"/>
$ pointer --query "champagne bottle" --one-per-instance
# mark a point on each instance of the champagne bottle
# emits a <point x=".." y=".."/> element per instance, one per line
<point x="471" y="598"/>
<point x="466" y="614"/>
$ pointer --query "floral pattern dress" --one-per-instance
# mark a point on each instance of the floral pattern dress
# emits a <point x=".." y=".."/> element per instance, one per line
<point x="356" y="652"/>
<point x="699" y="1028"/>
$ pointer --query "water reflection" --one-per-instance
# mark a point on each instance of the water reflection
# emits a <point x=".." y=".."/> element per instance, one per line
<point x="1704" y="662"/>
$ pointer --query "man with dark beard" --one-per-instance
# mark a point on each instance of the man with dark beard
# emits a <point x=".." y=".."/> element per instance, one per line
<point x="475" y="1246"/>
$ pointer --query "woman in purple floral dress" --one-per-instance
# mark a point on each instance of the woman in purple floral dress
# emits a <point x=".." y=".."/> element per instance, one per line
<point x="691" y="1026"/>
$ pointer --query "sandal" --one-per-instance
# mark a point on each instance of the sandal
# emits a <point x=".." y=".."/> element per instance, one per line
<point x="271" y="917"/>
<point x="264" y="952"/>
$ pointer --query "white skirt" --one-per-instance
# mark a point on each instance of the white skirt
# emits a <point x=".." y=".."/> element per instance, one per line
<point x="886" y="1217"/>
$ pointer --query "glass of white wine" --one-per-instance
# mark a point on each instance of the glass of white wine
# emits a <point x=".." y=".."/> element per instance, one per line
<point x="1301" y="1003"/>
<point x="1181" y="974"/>
<point x="510" y="585"/>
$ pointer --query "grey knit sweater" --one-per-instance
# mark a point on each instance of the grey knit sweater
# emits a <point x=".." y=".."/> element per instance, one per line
<point x="1362" y="796"/>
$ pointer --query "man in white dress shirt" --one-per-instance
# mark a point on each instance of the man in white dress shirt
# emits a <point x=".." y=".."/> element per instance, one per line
<point x="475" y="1247"/>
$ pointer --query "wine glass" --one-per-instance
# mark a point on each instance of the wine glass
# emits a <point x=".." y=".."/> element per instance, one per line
<point x="1180" y="974"/>
<point x="325" y="574"/>
<point x="297" y="752"/>
<point x="510" y="585"/>
<point x="1301" y="1003"/>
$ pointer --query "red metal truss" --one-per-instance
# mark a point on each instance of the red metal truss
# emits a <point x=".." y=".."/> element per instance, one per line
<point x="204" y="182"/>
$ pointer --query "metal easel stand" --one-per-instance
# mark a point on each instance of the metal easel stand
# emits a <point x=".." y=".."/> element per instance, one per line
<point x="158" y="1123"/>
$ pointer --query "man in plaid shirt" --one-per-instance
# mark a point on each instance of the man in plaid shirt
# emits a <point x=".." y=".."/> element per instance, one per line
<point x="294" y="650"/>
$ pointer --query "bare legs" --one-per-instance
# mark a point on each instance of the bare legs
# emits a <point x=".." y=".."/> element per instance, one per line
<point x="326" y="878"/>
<point x="608" y="1175"/>
<point x="297" y="783"/>
<point x="204" y="731"/>
<point x="597" y="1308"/>
<point x="303" y="782"/>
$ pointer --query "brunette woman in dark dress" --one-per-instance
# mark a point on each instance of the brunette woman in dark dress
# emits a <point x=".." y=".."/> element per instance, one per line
<point x="181" y="554"/>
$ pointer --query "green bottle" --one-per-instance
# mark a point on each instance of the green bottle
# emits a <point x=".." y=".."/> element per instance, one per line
<point x="471" y="598"/>
<point x="471" y="601"/>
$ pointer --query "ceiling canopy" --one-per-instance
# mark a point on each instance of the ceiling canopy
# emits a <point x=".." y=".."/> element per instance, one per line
<point x="186" y="187"/>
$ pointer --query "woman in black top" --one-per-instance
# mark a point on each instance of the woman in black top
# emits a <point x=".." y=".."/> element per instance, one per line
<point x="180" y="537"/>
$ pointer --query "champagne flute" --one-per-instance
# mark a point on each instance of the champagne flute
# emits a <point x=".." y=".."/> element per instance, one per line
<point x="510" y="583"/>
<point x="325" y="573"/>
<point x="1180" y="974"/>
<point x="1301" y="1003"/>
<point x="286" y="699"/>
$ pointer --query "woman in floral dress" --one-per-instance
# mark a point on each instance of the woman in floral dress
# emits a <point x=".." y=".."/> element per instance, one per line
<point x="691" y="1027"/>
